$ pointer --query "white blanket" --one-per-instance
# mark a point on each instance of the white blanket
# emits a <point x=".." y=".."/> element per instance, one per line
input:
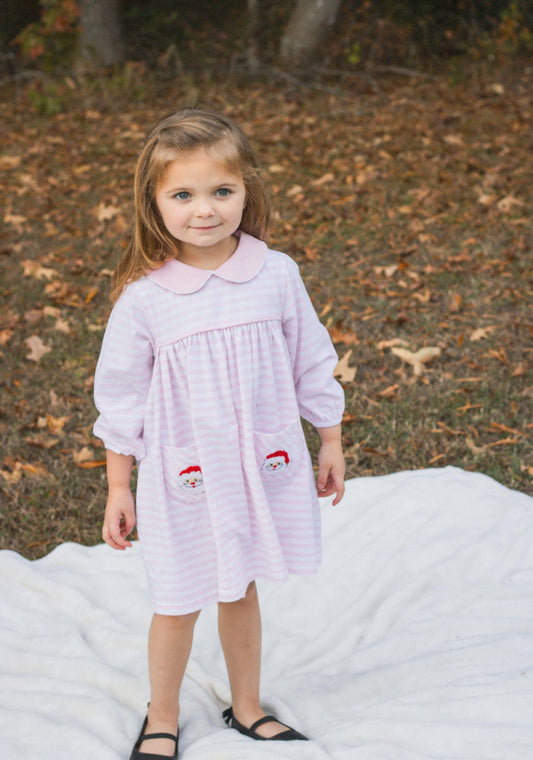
<point x="414" y="642"/>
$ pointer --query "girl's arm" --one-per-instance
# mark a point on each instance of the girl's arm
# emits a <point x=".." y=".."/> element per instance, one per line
<point x="331" y="465"/>
<point x="119" y="519"/>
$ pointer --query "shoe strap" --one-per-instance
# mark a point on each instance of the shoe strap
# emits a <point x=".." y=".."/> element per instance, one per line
<point x="144" y="737"/>
<point x="261" y="721"/>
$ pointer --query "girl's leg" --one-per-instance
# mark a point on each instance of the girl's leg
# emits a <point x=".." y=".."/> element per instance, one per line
<point x="169" y="647"/>
<point x="239" y="625"/>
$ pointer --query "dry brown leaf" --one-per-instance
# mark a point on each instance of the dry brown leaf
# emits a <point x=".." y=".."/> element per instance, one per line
<point x="486" y="199"/>
<point x="35" y="469"/>
<point x="105" y="213"/>
<point x="417" y="359"/>
<point x="453" y="139"/>
<point x="53" y="424"/>
<point x="19" y="468"/>
<point x="389" y="392"/>
<point x="41" y="441"/>
<point x="323" y="180"/>
<point x="52" y="311"/>
<point x="35" y="269"/>
<point x="504" y="428"/>
<point x="92" y="465"/>
<point x="337" y="335"/>
<point x="482" y="332"/>
<point x="471" y="446"/>
<point x="388" y="271"/>
<point x="343" y="372"/>
<point x="15" y="219"/>
<point x="62" y="326"/>
<point x="10" y="162"/>
<point x="38" y="349"/>
<point x="5" y="335"/>
<point x="294" y="190"/>
<point x="390" y="343"/>
<point x="83" y="455"/>
<point x="12" y="476"/>
<point x="508" y="203"/>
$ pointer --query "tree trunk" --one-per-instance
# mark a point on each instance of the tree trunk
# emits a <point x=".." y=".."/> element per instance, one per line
<point x="308" y="25"/>
<point x="101" y="36"/>
<point x="252" y="48"/>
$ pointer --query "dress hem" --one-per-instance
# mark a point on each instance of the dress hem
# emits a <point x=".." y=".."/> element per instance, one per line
<point x="226" y="597"/>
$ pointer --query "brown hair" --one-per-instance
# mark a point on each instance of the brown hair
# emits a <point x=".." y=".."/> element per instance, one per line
<point x="182" y="132"/>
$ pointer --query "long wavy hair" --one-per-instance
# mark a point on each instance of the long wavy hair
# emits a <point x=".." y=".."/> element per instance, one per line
<point x="174" y="136"/>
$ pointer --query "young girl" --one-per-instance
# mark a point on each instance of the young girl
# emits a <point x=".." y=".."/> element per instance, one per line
<point x="212" y="353"/>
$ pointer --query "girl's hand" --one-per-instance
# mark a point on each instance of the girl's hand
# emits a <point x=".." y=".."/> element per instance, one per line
<point x="119" y="519"/>
<point x="331" y="465"/>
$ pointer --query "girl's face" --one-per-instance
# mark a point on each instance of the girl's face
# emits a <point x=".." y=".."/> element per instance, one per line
<point x="201" y="203"/>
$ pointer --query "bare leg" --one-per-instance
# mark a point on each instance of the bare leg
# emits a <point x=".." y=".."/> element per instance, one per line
<point x="169" y="647"/>
<point x="239" y="625"/>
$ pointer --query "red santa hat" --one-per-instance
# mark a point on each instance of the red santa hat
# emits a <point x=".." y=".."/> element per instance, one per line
<point x="189" y="470"/>
<point x="277" y="454"/>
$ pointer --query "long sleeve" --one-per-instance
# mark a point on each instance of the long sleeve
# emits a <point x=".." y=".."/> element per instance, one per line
<point x="313" y="357"/>
<point x="123" y="376"/>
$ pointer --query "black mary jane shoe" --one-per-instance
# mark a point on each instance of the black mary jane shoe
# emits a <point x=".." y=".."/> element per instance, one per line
<point x="284" y="736"/>
<point x="137" y="755"/>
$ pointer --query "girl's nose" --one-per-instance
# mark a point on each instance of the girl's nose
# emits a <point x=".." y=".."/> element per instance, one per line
<point x="204" y="207"/>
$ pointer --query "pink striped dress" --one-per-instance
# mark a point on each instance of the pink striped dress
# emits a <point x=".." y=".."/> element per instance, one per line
<point x="203" y="376"/>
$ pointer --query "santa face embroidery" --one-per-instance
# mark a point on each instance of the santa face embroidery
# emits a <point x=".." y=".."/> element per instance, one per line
<point x="276" y="462"/>
<point x="191" y="480"/>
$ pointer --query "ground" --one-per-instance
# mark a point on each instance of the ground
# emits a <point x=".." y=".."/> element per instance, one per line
<point x="406" y="202"/>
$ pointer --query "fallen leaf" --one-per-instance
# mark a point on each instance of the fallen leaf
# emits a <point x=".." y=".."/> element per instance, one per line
<point x="342" y="371"/>
<point x="482" y="332"/>
<point x="32" y="268"/>
<point x="54" y="424"/>
<point x="62" y="326"/>
<point x="504" y="428"/>
<point x="41" y="441"/>
<point x="486" y="199"/>
<point x="295" y="190"/>
<point x="323" y="180"/>
<point x="417" y="359"/>
<point x="35" y="469"/>
<point x="337" y="335"/>
<point x="388" y="271"/>
<point x="10" y="162"/>
<point x="508" y="203"/>
<point x="473" y="448"/>
<point x="105" y="213"/>
<point x="12" y="476"/>
<point x="15" y="219"/>
<point x="19" y="468"/>
<point x="453" y="139"/>
<point x="83" y="455"/>
<point x="38" y="349"/>
<point x="390" y="343"/>
<point x="5" y="335"/>
<point x="389" y="392"/>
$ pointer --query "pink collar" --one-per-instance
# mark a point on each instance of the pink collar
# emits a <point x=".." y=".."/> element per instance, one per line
<point x="242" y="266"/>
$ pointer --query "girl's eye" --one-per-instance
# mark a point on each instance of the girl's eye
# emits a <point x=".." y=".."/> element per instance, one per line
<point x="183" y="195"/>
<point x="223" y="192"/>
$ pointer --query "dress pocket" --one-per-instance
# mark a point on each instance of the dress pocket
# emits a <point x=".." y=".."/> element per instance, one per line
<point x="279" y="454"/>
<point x="184" y="481"/>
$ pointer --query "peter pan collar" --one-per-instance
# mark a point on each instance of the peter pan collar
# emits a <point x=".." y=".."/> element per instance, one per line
<point x="242" y="266"/>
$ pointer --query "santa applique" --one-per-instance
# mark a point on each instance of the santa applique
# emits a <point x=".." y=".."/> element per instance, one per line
<point x="276" y="463"/>
<point x="191" y="480"/>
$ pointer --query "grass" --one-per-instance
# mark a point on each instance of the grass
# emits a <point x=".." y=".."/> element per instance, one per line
<point x="412" y="224"/>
